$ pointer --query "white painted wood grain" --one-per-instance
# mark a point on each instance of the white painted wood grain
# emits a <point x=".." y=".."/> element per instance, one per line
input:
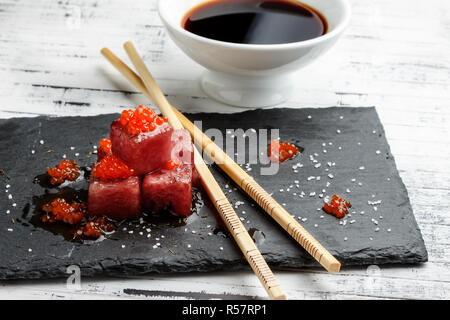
<point x="395" y="56"/>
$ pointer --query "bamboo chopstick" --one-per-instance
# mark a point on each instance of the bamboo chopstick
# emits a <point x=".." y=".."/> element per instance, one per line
<point x="304" y="238"/>
<point x="223" y="206"/>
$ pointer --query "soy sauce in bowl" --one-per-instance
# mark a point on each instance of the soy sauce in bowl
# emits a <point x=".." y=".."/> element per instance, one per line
<point x="255" y="21"/>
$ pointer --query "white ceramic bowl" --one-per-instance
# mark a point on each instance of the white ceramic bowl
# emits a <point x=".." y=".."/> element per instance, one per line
<point x="252" y="75"/>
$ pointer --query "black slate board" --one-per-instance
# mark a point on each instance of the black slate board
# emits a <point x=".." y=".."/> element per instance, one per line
<point x="351" y="137"/>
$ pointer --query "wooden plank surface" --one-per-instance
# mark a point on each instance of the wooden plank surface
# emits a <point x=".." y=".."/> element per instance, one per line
<point x="395" y="56"/>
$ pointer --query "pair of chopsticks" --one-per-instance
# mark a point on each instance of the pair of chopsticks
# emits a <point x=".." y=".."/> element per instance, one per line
<point x="147" y="85"/>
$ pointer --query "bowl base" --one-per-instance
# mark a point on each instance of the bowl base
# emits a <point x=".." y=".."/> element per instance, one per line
<point x="245" y="91"/>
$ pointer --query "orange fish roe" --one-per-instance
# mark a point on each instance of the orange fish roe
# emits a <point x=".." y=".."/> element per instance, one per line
<point x="95" y="229"/>
<point x="172" y="164"/>
<point x="105" y="145"/>
<point x="337" y="207"/>
<point x="282" y="151"/>
<point x="60" y="210"/>
<point x="141" y="120"/>
<point x="66" y="170"/>
<point x="112" y="168"/>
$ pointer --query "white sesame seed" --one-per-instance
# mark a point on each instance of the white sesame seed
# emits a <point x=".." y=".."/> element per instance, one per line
<point x="14" y="204"/>
<point x="123" y="246"/>
<point x="10" y="230"/>
<point x="41" y="141"/>
<point x="338" y="131"/>
<point x="33" y="152"/>
<point x="362" y="168"/>
<point x="331" y="176"/>
<point x="77" y="154"/>
<point x="221" y="248"/>
<point x="10" y="196"/>
<point x="30" y="250"/>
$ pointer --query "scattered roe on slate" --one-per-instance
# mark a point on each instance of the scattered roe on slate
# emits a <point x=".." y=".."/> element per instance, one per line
<point x="60" y="210"/>
<point x="282" y="151"/>
<point x="112" y="168"/>
<point x="95" y="229"/>
<point x="337" y="207"/>
<point x="66" y="170"/>
<point x="141" y="120"/>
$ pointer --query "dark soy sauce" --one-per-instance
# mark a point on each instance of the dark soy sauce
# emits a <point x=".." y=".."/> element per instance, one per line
<point x="255" y="21"/>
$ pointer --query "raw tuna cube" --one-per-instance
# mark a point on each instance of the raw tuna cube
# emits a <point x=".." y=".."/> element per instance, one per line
<point x="169" y="190"/>
<point x="144" y="152"/>
<point x="119" y="199"/>
<point x="182" y="149"/>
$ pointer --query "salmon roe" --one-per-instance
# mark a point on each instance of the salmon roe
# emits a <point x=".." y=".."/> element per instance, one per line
<point x="95" y="229"/>
<point x="282" y="151"/>
<point x="112" y="168"/>
<point x="66" y="170"/>
<point x="172" y="164"/>
<point x="105" y="145"/>
<point x="141" y="120"/>
<point x="337" y="207"/>
<point x="60" y="210"/>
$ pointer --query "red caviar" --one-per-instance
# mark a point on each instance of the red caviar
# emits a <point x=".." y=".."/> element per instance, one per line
<point x="66" y="170"/>
<point x="96" y="228"/>
<point x="172" y="164"/>
<point x="337" y="207"/>
<point x="105" y="145"/>
<point x="282" y="151"/>
<point x="60" y="210"/>
<point x="112" y="168"/>
<point x="141" y="120"/>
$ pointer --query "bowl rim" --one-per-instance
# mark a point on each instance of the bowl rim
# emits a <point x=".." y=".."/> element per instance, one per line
<point x="342" y="25"/>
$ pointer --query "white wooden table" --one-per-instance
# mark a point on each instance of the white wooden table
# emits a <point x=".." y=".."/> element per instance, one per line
<point x="395" y="56"/>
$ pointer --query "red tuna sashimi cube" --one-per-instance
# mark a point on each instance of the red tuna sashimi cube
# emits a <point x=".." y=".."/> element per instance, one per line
<point x="183" y="149"/>
<point x="120" y="199"/>
<point x="144" y="152"/>
<point x="169" y="190"/>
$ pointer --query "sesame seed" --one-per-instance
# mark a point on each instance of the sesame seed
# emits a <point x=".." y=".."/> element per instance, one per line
<point x="123" y="246"/>
<point x="33" y="152"/>
<point x="331" y="176"/>
<point x="221" y="248"/>
<point x="30" y="250"/>
<point x="10" y="196"/>
<point x="10" y="230"/>
<point x="188" y="245"/>
<point x="362" y="168"/>
<point x="338" y="131"/>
